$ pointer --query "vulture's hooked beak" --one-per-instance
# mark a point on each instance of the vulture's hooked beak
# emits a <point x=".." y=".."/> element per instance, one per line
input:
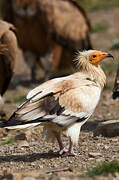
<point x="110" y="55"/>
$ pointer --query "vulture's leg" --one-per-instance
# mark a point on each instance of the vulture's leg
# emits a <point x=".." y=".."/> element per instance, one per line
<point x="46" y="65"/>
<point x="70" y="151"/>
<point x="1" y="105"/>
<point x="31" y="60"/>
<point x="51" y="60"/>
<point x="33" y="72"/>
<point x="57" y="54"/>
<point x="61" y="145"/>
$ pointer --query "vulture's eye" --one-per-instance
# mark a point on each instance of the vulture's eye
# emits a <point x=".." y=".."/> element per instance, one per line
<point x="94" y="56"/>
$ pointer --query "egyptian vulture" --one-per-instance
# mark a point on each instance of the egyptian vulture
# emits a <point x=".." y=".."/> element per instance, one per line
<point x="116" y="86"/>
<point x="64" y="104"/>
<point x="8" y="51"/>
<point x="49" y="32"/>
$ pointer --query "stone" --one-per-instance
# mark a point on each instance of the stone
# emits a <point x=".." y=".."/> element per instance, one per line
<point x="20" y="136"/>
<point x="107" y="129"/>
<point x="23" y="143"/>
<point x="100" y="159"/>
<point x="94" y="154"/>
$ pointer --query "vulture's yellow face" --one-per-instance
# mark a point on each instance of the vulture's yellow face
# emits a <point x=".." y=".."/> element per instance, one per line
<point x="96" y="56"/>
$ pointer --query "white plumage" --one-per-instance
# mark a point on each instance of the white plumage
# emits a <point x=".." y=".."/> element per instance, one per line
<point x="64" y="104"/>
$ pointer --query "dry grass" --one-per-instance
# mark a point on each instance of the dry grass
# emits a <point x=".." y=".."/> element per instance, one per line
<point x="93" y="5"/>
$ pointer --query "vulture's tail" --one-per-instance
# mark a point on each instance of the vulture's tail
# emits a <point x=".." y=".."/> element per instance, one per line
<point x="13" y="123"/>
<point x="26" y="116"/>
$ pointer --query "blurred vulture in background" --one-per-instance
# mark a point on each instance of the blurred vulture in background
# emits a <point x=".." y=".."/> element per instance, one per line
<point x="49" y="31"/>
<point x="116" y="86"/>
<point x="8" y="51"/>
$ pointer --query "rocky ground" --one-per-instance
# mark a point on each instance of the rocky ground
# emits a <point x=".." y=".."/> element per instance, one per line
<point x="34" y="158"/>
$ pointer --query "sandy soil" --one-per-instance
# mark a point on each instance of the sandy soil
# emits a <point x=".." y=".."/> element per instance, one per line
<point x="35" y="158"/>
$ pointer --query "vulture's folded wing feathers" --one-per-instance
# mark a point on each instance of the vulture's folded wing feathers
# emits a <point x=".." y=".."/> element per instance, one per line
<point x="61" y="105"/>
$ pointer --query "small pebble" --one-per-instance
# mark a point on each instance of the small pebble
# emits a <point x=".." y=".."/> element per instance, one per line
<point x="93" y="154"/>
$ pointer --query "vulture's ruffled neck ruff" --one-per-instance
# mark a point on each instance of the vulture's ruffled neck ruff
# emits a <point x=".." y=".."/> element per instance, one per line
<point x="83" y="65"/>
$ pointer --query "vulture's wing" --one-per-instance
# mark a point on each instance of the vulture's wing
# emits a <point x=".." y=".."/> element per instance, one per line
<point x="5" y="26"/>
<point x="62" y="101"/>
<point x="8" y="51"/>
<point x="66" y="20"/>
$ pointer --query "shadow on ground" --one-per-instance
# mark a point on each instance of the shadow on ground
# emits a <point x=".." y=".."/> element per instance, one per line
<point x="28" y="157"/>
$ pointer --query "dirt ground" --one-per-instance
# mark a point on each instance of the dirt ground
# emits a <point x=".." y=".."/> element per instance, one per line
<point x="35" y="158"/>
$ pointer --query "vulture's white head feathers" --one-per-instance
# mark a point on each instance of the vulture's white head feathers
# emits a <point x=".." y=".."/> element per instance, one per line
<point x="93" y="57"/>
<point x="88" y="62"/>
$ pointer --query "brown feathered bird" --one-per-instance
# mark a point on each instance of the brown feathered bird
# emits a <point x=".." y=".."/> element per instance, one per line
<point x="48" y="31"/>
<point x="64" y="104"/>
<point x="8" y="51"/>
<point x="116" y="86"/>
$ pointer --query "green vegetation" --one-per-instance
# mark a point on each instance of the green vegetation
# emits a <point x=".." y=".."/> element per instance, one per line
<point x="99" y="27"/>
<point x="109" y="68"/>
<point x="8" y="141"/>
<point x="109" y="86"/>
<point x="16" y="98"/>
<point x="19" y="98"/>
<point x="93" y="5"/>
<point x="115" y="45"/>
<point x="103" y="168"/>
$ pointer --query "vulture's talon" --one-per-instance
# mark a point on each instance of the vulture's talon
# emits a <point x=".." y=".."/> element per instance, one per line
<point x="63" y="151"/>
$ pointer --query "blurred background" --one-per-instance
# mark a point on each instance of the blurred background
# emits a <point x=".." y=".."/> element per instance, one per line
<point x="100" y="19"/>
<point x="49" y="35"/>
